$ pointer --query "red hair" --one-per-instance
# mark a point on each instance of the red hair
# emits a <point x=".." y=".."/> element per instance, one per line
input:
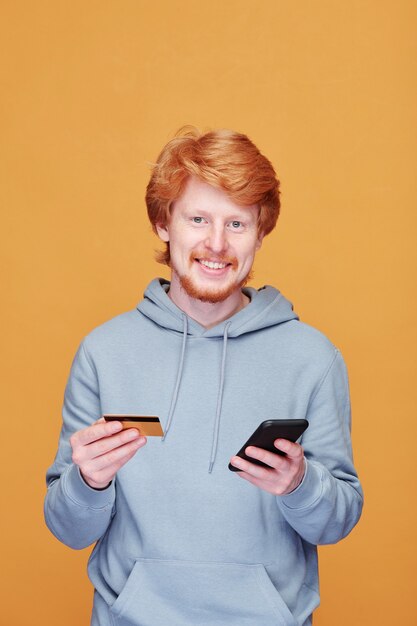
<point x="222" y="158"/>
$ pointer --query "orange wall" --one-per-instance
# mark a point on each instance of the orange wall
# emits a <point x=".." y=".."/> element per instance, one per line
<point x="90" y="92"/>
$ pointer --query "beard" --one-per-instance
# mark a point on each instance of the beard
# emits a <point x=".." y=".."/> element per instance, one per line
<point x="215" y="294"/>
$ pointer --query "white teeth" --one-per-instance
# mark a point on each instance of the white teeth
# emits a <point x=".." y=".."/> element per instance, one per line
<point x="212" y="265"/>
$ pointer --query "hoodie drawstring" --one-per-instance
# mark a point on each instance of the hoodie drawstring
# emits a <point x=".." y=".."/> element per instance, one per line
<point x="219" y="401"/>
<point x="179" y="376"/>
<point x="174" y="398"/>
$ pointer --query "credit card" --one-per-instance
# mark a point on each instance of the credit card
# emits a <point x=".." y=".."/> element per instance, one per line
<point x="148" y="425"/>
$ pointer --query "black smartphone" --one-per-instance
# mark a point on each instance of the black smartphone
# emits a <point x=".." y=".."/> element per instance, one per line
<point x="265" y="435"/>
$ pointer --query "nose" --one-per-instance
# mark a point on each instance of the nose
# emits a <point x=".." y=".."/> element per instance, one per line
<point x="217" y="239"/>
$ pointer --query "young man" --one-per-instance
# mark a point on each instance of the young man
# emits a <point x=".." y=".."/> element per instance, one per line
<point x="182" y="540"/>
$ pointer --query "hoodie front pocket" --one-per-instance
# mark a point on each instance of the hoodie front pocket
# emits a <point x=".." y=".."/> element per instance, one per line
<point x="186" y="593"/>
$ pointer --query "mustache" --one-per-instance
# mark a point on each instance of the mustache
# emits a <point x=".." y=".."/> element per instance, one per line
<point x="215" y="258"/>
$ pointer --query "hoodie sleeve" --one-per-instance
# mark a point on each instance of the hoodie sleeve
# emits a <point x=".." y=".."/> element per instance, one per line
<point x="74" y="512"/>
<point x="328" y="503"/>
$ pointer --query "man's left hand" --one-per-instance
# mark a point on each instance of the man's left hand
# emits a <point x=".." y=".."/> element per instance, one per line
<point x="284" y="473"/>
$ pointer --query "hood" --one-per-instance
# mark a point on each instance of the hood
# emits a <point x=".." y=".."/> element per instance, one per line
<point x="267" y="307"/>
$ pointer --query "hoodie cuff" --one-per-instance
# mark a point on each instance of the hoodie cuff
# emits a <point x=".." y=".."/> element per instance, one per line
<point x="82" y="494"/>
<point x="307" y="492"/>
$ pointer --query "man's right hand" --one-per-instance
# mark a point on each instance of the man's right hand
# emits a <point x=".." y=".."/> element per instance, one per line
<point x="102" y="449"/>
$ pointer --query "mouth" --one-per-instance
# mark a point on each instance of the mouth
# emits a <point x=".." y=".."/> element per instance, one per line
<point x="213" y="265"/>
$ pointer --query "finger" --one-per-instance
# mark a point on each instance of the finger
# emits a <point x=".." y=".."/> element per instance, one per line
<point x="250" y="468"/>
<point x="276" y="488"/>
<point x="292" y="450"/>
<point x="97" y="431"/>
<point x="252" y="479"/>
<point x="115" y="457"/>
<point x="107" y="444"/>
<point x="103" y="475"/>
<point x="269" y="458"/>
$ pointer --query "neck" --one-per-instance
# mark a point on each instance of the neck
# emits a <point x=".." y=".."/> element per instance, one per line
<point x="206" y="313"/>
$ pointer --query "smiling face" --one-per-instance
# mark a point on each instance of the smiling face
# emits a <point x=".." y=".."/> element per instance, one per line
<point x="212" y="243"/>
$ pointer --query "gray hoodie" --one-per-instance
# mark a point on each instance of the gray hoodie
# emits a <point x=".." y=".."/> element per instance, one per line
<point x="181" y="540"/>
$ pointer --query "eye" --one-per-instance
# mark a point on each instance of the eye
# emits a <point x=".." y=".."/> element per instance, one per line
<point x="197" y="220"/>
<point x="236" y="224"/>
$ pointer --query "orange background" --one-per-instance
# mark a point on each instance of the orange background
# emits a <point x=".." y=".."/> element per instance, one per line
<point x="91" y="90"/>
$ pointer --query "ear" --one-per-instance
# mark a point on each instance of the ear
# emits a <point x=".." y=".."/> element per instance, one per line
<point x="162" y="230"/>
<point x="259" y="242"/>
